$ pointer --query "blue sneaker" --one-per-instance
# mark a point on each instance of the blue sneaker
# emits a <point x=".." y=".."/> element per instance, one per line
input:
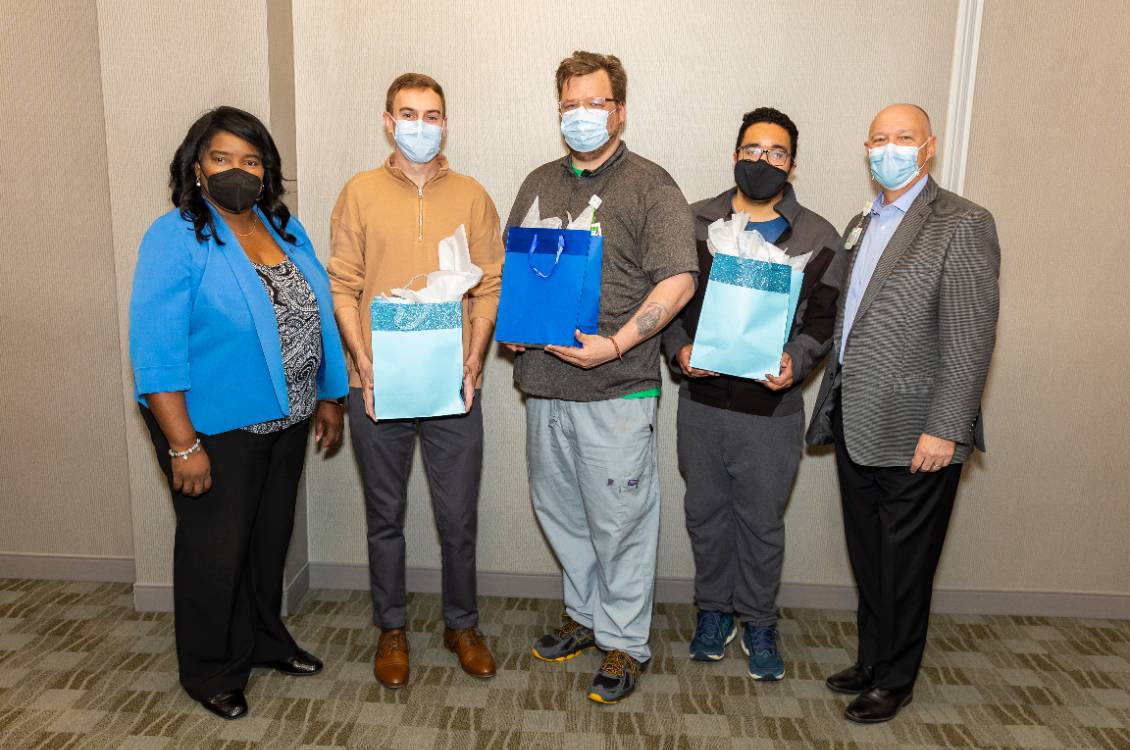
<point x="711" y="635"/>
<point x="760" y="645"/>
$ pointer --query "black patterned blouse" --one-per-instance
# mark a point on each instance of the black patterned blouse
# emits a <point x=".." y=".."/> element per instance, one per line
<point x="300" y="333"/>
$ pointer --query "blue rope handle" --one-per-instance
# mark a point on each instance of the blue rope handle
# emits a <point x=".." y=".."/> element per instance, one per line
<point x="560" y="249"/>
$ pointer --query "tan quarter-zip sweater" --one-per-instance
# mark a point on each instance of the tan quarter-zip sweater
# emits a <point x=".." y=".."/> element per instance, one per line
<point x="384" y="230"/>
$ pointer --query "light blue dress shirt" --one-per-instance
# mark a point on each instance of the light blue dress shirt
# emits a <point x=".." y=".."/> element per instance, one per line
<point x="885" y="219"/>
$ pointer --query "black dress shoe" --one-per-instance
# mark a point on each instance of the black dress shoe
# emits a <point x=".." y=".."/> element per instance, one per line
<point x="854" y="680"/>
<point x="230" y="705"/>
<point x="300" y="664"/>
<point x="878" y="705"/>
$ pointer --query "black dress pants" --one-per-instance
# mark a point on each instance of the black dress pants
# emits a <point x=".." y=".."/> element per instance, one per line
<point x="230" y="551"/>
<point x="895" y="524"/>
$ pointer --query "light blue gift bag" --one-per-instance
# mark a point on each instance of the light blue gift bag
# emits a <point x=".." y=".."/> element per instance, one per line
<point x="417" y="358"/>
<point x="747" y="313"/>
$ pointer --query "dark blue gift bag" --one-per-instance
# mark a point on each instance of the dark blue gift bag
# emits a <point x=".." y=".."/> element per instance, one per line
<point x="550" y="286"/>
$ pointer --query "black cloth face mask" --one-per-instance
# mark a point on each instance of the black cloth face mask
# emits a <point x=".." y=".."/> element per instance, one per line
<point x="759" y="180"/>
<point x="234" y="190"/>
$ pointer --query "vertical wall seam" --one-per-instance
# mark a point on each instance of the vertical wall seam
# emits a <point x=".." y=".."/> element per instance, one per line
<point x="126" y="395"/>
<point x="281" y="104"/>
<point x="963" y="79"/>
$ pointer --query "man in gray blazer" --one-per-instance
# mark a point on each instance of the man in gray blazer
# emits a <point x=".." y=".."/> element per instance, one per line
<point x="901" y="396"/>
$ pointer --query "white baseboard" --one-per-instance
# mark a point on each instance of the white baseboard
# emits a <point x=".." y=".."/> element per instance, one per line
<point x="153" y="597"/>
<point x="325" y="575"/>
<point x="158" y="597"/>
<point x="1034" y="603"/>
<point x="544" y="586"/>
<point x="797" y="595"/>
<point x="353" y="576"/>
<point x="295" y="590"/>
<point x="66" y="567"/>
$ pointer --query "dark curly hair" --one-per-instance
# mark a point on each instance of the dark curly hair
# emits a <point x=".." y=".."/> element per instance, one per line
<point x="187" y="195"/>
<point x="770" y="115"/>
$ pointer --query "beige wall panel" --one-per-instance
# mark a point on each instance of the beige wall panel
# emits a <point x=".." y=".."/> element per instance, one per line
<point x="163" y="65"/>
<point x="1048" y="155"/>
<point x="693" y="70"/>
<point x="1045" y="510"/>
<point x="64" y="487"/>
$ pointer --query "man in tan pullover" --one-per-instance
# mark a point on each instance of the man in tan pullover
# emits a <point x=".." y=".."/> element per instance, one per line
<point x="385" y="230"/>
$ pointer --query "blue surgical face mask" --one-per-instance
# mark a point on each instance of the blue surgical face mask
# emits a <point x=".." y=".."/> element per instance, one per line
<point x="585" y="130"/>
<point x="894" y="167"/>
<point x="418" y="140"/>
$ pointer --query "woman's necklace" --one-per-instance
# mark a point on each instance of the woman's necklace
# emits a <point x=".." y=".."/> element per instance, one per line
<point x="237" y="234"/>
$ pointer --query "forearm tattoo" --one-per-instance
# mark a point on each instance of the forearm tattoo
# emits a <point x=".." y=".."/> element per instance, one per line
<point x="650" y="318"/>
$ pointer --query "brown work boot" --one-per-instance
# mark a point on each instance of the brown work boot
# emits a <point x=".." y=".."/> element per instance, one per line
<point x="469" y="646"/>
<point x="390" y="666"/>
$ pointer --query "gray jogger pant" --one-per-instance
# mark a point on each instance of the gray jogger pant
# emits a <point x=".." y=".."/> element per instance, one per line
<point x="595" y="492"/>
<point x="452" y="448"/>
<point x="739" y="469"/>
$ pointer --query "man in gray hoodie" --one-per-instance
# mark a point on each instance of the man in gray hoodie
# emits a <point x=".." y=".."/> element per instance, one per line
<point x="739" y="440"/>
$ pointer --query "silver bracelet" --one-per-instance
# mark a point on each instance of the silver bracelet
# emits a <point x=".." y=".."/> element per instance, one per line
<point x="187" y="452"/>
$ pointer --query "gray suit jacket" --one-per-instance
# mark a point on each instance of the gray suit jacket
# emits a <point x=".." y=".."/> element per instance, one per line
<point x="919" y="348"/>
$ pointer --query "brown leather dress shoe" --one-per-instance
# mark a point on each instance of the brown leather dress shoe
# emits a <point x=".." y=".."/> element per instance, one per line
<point x="390" y="666"/>
<point x="469" y="646"/>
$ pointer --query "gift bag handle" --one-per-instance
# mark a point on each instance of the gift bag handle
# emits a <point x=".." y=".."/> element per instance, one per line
<point x="560" y="249"/>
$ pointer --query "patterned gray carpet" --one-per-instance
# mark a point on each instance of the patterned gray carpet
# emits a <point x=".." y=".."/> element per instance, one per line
<point x="80" y="669"/>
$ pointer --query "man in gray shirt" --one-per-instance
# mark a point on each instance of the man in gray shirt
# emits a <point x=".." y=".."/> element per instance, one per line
<point x="740" y="440"/>
<point x="590" y="410"/>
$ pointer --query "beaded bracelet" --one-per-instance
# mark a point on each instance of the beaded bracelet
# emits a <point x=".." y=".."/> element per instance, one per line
<point x="185" y="453"/>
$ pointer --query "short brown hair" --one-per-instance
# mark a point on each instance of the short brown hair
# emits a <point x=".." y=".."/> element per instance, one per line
<point x="581" y="63"/>
<point x="413" y="81"/>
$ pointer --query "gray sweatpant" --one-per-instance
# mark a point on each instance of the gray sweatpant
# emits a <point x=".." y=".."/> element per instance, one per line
<point x="453" y="458"/>
<point x="739" y="469"/>
<point x="595" y="490"/>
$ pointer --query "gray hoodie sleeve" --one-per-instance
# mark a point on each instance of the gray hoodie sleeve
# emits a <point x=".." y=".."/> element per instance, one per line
<point x="816" y="315"/>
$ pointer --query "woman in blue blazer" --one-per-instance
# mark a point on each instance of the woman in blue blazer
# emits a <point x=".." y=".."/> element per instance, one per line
<point x="235" y="357"/>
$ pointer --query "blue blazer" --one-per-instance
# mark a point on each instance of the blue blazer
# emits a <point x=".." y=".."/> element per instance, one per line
<point x="201" y="323"/>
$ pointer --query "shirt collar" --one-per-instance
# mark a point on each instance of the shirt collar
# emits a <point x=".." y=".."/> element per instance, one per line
<point x="788" y="207"/>
<point x="721" y="206"/>
<point x="903" y="202"/>
<point x="395" y="171"/>
<point x="608" y="164"/>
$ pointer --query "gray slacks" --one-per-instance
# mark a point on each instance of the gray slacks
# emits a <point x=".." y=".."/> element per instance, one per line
<point x="739" y="469"/>
<point x="453" y="459"/>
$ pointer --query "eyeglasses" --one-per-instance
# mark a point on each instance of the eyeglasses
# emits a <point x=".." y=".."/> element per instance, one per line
<point x="597" y="102"/>
<point x="775" y="156"/>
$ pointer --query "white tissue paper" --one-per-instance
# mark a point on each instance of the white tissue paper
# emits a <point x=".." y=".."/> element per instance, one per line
<point x="583" y="221"/>
<point x="456" y="274"/>
<point x="533" y="218"/>
<point x="730" y="237"/>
